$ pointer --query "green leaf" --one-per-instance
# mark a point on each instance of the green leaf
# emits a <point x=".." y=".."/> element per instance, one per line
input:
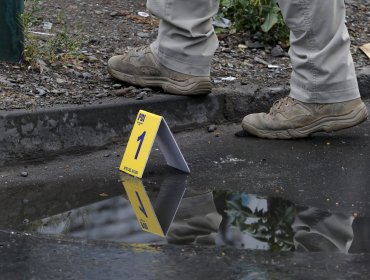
<point x="271" y="19"/>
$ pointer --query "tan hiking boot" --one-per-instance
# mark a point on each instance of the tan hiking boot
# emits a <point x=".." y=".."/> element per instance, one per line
<point x="290" y="118"/>
<point x="140" y="67"/>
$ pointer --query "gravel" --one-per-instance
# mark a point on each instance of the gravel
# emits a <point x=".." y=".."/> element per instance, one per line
<point x="111" y="27"/>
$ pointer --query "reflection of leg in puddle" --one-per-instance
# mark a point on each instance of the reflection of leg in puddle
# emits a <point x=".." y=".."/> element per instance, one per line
<point x="197" y="221"/>
<point x="317" y="230"/>
<point x="361" y="240"/>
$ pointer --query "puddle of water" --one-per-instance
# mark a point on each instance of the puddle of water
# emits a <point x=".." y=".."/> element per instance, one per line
<point x="220" y="218"/>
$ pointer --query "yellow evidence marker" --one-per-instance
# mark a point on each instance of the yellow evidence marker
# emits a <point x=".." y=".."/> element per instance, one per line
<point x="148" y="128"/>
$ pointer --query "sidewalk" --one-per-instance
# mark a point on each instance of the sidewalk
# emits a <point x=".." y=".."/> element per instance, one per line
<point x="44" y="132"/>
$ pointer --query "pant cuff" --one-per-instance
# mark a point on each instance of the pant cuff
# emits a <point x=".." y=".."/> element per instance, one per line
<point x="327" y="94"/>
<point x="181" y="65"/>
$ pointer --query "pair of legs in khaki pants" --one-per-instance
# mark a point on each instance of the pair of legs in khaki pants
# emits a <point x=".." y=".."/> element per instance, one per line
<point x="324" y="92"/>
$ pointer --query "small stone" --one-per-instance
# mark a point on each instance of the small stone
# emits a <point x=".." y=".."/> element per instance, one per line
<point x="75" y="73"/>
<point x="92" y="58"/>
<point x="122" y="92"/>
<point x="59" y="51"/>
<point x="255" y="45"/>
<point x="141" y="95"/>
<point x="277" y="51"/>
<point x="143" y="35"/>
<point x="242" y="46"/>
<point x="60" y="81"/>
<point x="135" y="90"/>
<point x="56" y="92"/>
<point x="260" y="60"/>
<point x="113" y="14"/>
<point x="5" y="81"/>
<point x="117" y="86"/>
<point x="26" y="221"/>
<point x="94" y="41"/>
<point x="86" y="75"/>
<point x="24" y="174"/>
<point x="40" y="91"/>
<point x="212" y="128"/>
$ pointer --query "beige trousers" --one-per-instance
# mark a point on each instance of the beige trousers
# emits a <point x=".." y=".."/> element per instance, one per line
<point x="323" y="69"/>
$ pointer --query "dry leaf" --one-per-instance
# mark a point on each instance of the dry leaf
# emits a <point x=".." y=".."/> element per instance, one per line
<point x="366" y="49"/>
<point x="149" y="20"/>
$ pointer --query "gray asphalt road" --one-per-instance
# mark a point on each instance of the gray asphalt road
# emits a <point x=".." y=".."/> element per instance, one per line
<point x="328" y="171"/>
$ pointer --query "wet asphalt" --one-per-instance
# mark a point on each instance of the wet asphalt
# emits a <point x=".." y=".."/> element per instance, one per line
<point x="329" y="172"/>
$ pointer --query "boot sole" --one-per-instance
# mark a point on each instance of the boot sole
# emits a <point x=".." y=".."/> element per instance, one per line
<point x="325" y="124"/>
<point x="192" y="86"/>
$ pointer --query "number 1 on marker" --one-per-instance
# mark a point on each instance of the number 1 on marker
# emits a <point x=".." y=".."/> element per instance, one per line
<point x="141" y="139"/>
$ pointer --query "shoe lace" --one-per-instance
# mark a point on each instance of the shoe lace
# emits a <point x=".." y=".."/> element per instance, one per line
<point x="279" y="104"/>
<point x="140" y="49"/>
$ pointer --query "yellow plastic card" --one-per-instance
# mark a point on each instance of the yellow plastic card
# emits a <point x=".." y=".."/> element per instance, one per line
<point x="140" y="143"/>
<point x="148" y="128"/>
<point x="142" y="206"/>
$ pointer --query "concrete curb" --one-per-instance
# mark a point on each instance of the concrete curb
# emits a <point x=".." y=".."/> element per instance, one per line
<point x="363" y="78"/>
<point x="35" y="134"/>
<point x="44" y="133"/>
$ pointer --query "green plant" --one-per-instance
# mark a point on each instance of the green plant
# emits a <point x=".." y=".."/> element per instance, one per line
<point x="27" y="19"/>
<point x="30" y="17"/>
<point x="47" y="48"/>
<point x="261" y="17"/>
<point x="63" y="42"/>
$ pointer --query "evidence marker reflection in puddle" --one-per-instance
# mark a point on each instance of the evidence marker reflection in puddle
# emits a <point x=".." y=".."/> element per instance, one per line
<point x="155" y="218"/>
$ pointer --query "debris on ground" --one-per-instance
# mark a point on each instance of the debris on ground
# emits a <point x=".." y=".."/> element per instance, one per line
<point x="106" y="28"/>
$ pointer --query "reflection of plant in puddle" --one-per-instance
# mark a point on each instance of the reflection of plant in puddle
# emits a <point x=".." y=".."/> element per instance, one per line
<point x="63" y="223"/>
<point x="76" y="219"/>
<point x="267" y="220"/>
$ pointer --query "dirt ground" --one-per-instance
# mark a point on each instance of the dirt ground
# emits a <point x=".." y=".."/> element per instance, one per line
<point x="109" y="27"/>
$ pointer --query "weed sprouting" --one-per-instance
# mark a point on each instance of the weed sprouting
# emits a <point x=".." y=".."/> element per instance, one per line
<point x="57" y="45"/>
